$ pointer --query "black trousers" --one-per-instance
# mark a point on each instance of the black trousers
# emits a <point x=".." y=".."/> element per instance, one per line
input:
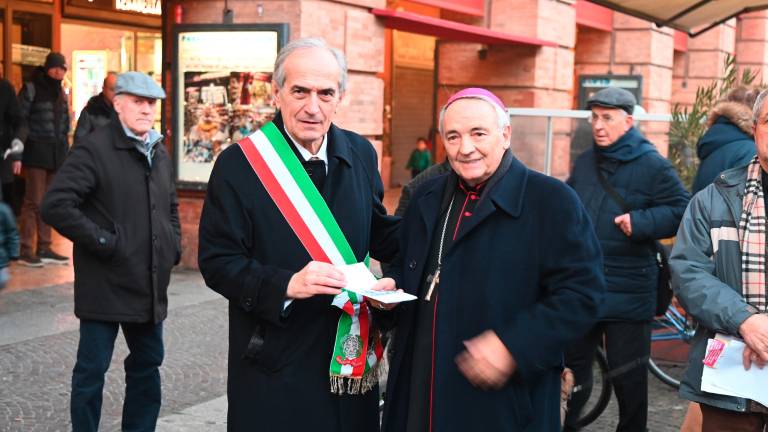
<point x="627" y="347"/>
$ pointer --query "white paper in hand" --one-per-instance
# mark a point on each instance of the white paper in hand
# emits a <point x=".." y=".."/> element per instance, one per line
<point x="360" y="280"/>
<point x="728" y="377"/>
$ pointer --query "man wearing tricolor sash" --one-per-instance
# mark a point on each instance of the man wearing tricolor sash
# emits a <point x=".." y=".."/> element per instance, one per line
<point x="285" y="208"/>
<point x="507" y="270"/>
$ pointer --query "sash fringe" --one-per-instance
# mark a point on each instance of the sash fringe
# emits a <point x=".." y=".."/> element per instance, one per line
<point x="350" y="385"/>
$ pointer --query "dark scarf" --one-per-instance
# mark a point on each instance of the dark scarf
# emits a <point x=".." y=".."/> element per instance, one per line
<point x="629" y="146"/>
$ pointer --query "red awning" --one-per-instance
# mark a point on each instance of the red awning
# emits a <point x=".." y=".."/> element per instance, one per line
<point x="451" y="30"/>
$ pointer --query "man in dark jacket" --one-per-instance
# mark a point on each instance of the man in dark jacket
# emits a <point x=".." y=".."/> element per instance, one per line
<point x="43" y="130"/>
<point x="115" y="199"/>
<point x="98" y="112"/>
<point x="10" y="120"/>
<point x="282" y="323"/>
<point x="633" y="197"/>
<point x="506" y="268"/>
<point x="728" y="142"/>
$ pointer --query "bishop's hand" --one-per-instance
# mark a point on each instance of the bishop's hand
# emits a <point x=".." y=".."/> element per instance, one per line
<point x="486" y="363"/>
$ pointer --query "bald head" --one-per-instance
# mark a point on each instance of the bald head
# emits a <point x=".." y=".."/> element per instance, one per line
<point x="108" y="88"/>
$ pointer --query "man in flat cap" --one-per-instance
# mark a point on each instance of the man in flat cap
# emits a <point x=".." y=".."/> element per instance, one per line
<point x="507" y="271"/>
<point x="634" y="197"/>
<point x="114" y="197"/>
<point x="43" y="130"/>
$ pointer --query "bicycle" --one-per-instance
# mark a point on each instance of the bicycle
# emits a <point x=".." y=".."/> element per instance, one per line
<point x="667" y="329"/>
<point x="666" y="333"/>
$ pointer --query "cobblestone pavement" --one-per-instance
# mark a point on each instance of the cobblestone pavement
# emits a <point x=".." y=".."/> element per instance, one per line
<point x="38" y="339"/>
<point x="35" y="372"/>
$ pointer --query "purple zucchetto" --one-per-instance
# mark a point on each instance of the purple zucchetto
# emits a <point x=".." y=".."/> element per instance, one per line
<point x="475" y="92"/>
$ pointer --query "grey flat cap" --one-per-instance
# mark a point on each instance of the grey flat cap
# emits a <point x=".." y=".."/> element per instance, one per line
<point x="613" y="97"/>
<point x="139" y="84"/>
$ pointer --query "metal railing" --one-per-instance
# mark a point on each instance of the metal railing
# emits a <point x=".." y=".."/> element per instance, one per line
<point x="551" y="114"/>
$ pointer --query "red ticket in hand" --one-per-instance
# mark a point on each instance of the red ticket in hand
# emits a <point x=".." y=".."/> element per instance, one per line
<point x="714" y="350"/>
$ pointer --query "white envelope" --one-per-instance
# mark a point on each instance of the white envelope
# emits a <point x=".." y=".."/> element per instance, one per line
<point x="360" y="280"/>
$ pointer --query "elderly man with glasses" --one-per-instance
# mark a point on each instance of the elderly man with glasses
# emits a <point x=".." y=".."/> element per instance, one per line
<point x="634" y="197"/>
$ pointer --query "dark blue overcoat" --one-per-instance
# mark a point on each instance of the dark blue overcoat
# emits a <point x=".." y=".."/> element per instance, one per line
<point x="248" y="254"/>
<point x="527" y="265"/>
<point x="650" y="187"/>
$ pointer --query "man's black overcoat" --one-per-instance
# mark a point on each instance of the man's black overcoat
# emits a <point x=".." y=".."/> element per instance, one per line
<point x="526" y="265"/>
<point x="248" y="253"/>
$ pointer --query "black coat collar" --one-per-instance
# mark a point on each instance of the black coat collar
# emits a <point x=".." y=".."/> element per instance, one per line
<point x="507" y="195"/>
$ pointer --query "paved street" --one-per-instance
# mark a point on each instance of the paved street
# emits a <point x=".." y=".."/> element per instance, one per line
<point x="38" y="339"/>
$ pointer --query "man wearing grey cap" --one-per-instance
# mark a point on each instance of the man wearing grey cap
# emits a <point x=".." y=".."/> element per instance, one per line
<point x="634" y="197"/>
<point x="114" y="197"/>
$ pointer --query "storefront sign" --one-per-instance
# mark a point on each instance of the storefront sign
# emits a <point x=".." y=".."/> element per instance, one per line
<point x="223" y="93"/>
<point x="150" y="7"/>
<point x="590" y="84"/>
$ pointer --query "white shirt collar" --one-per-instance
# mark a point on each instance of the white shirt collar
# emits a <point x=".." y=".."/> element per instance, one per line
<point x="322" y="154"/>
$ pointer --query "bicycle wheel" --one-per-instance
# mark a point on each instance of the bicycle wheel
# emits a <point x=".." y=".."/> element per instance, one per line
<point x="670" y="341"/>
<point x="669" y="373"/>
<point x="599" y="393"/>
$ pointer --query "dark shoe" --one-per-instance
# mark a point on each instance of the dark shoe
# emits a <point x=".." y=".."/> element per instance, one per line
<point x="30" y="261"/>
<point x="51" y="257"/>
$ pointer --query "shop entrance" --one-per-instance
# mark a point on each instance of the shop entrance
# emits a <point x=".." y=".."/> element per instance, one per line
<point x="413" y="95"/>
<point x="93" y="50"/>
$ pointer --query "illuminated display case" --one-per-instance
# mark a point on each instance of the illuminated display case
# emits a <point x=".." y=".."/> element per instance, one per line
<point x="222" y="92"/>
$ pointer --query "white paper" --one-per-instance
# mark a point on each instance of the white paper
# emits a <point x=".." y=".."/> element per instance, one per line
<point x="728" y="376"/>
<point x="360" y="280"/>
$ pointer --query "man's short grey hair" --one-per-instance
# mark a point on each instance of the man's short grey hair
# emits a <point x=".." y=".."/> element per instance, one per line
<point x="501" y="114"/>
<point x="758" y="108"/>
<point x="304" y="43"/>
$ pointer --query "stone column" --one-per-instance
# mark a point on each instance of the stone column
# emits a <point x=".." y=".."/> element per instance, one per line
<point x="703" y="62"/>
<point x="752" y="43"/>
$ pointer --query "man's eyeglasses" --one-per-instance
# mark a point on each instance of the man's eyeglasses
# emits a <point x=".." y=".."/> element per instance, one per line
<point x="605" y="118"/>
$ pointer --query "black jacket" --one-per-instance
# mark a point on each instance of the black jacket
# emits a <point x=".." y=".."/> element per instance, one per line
<point x="526" y="265"/>
<point x="10" y="119"/>
<point x="122" y="216"/>
<point x="650" y="186"/>
<point x="44" y="121"/>
<point x="97" y="113"/>
<point x="248" y="253"/>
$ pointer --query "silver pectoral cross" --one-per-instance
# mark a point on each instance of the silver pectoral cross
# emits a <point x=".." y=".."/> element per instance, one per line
<point x="434" y="280"/>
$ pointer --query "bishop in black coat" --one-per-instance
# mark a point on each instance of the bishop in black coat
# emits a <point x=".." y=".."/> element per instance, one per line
<point x="520" y="266"/>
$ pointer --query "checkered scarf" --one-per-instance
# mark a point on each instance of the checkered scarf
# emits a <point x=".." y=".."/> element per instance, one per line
<point x="752" y="234"/>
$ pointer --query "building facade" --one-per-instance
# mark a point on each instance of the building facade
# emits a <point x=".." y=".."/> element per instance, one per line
<point x="407" y="57"/>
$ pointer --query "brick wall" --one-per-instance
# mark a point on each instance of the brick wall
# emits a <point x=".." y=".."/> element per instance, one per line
<point x="346" y="25"/>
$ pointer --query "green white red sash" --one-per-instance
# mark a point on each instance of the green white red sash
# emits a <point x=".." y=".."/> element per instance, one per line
<point x="357" y="349"/>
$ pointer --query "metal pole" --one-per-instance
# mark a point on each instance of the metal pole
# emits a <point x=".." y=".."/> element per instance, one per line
<point x="548" y="149"/>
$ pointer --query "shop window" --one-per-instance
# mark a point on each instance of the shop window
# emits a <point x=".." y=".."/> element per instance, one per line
<point x="220" y="95"/>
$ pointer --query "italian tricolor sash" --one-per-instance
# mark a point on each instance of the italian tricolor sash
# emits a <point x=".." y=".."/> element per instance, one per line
<point x="357" y="349"/>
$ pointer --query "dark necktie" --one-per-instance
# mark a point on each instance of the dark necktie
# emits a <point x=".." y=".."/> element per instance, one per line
<point x="316" y="170"/>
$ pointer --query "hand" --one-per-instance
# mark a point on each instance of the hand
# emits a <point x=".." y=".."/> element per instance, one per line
<point x="314" y="279"/>
<point x="384" y="284"/>
<point x="624" y="224"/>
<point x="486" y="363"/>
<point x="754" y="331"/>
<point x="749" y="357"/>
<point x="16" y="167"/>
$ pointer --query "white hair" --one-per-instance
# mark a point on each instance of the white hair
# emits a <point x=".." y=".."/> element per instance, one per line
<point x="304" y="43"/>
<point x="758" y="108"/>
<point x="501" y="114"/>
